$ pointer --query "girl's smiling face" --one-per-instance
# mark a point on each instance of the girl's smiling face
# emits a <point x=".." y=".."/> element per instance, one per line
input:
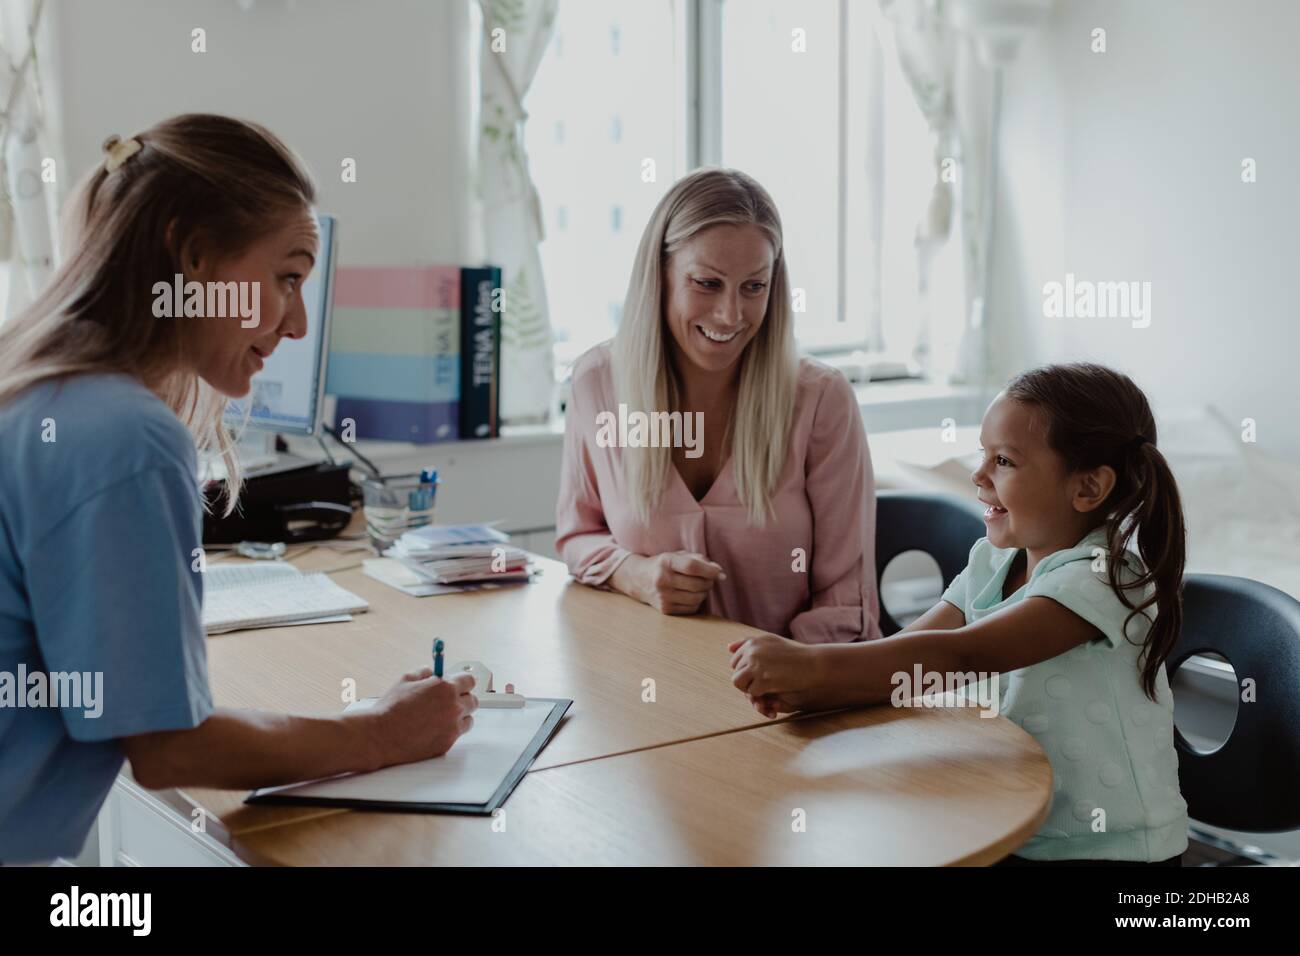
<point x="1032" y="501"/>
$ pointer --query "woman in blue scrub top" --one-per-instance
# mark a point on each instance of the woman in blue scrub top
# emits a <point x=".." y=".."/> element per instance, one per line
<point x="103" y="403"/>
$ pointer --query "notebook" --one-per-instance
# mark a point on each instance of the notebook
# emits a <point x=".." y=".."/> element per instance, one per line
<point x="271" y="594"/>
<point x="475" y="776"/>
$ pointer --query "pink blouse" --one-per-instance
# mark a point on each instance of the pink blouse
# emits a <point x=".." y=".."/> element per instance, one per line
<point x="825" y="504"/>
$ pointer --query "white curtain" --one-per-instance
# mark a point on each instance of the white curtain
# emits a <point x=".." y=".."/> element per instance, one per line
<point x="975" y="106"/>
<point x="29" y="161"/>
<point x="950" y="88"/>
<point x="515" y="36"/>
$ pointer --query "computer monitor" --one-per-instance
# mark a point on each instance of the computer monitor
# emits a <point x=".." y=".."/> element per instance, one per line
<point x="288" y="393"/>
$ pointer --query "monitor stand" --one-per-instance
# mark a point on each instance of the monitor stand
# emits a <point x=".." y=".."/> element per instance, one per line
<point x="257" y="455"/>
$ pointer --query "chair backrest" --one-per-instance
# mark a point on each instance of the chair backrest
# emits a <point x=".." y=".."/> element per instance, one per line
<point x="1252" y="781"/>
<point x="942" y="526"/>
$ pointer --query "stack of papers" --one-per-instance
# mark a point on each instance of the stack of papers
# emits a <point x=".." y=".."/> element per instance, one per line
<point x="461" y="554"/>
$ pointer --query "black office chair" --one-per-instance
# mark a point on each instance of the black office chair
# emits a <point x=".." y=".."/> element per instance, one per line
<point x="1252" y="781"/>
<point x="942" y="526"/>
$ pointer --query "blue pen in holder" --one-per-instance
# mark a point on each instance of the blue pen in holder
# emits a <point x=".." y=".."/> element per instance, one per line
<point x="396" y="504"/>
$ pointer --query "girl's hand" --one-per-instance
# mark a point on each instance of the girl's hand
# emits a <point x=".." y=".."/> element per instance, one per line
<point x="676" y="582"/>
<point x="778" y="675"/>
<point x="773" y="705"/>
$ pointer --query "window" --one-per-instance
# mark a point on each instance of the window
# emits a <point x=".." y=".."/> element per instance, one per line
<point x="604" y="144"/>
<point x="780" y="105"/>
<point x="807" y="96"/>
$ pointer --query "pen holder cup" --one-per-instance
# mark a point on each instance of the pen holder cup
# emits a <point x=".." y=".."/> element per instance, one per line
<point x="395" y="505"/>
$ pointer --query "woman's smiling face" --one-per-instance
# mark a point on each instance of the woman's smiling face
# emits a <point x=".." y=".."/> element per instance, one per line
<point x="715" y="297"/>
<point x="226" y="353"/>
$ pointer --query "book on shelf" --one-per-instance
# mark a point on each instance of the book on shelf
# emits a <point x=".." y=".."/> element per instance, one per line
<point x="415" y="353"/>
<point x="480" y="352"/>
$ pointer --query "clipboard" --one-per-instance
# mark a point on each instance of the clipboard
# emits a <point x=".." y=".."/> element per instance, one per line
<point x="279" y="796"/>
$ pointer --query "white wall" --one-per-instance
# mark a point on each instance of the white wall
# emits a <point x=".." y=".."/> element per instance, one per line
<point x="1120" y="165"/>
<point x="1126" y="165"/>
<point x="386" y="83"/>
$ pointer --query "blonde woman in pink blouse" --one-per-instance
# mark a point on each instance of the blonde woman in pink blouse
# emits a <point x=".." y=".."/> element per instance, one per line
<point x="766" y="514"/>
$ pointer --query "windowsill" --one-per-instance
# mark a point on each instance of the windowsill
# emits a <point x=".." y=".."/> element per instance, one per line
<point x="512" y="436"/>
<point x="896" y="395"/>
<point x="911" y="390"/>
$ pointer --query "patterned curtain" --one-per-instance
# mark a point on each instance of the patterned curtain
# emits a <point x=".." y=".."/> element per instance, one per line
<point x="515" y="36"/>
<point x="950" y="88"/>
<point x="29" y="166"/>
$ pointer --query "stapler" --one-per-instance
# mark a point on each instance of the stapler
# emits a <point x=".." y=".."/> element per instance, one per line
<point x="487" y="697"/>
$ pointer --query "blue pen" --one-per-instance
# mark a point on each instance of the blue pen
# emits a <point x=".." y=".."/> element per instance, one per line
<point x="437" y="657"/>
<point x="428" y="484"/>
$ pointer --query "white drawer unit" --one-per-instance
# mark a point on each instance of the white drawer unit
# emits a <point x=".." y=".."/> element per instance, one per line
<point x="139" y="827"/>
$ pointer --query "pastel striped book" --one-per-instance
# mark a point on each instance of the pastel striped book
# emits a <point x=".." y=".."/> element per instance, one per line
<point x="395" y="352"/>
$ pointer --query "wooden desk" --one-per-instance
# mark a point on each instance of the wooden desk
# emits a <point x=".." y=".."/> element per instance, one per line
<point x="551" y="638"/>
<point x="881" y="786"/>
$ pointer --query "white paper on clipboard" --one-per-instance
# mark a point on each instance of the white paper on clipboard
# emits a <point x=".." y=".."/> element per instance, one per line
<point x="470" y="773"/>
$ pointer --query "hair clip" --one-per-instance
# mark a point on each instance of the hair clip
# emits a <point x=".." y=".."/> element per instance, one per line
<point x="119" y="151"/>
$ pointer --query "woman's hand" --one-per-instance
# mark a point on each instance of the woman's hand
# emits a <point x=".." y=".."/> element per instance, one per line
<point x="421" y="716"/>
<point x="778" y="675"/>
<point x="676" y="582"/>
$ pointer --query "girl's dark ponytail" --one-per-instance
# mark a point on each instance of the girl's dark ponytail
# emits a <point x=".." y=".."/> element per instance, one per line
<point x="1096" y="416"/>
<point x="1153" y="513"/>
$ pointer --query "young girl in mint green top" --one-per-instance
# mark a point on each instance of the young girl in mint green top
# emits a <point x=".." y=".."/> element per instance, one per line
<point x="1057" y="601"/>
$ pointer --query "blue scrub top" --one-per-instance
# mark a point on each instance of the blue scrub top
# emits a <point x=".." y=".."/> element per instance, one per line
<point x="100" y="522"/>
